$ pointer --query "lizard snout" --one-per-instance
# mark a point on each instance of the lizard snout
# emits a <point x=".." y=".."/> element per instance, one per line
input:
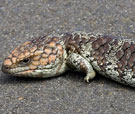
<point x="4" y="68"/>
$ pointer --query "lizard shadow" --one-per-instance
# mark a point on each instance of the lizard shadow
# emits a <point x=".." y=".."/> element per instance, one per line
<point x="74" y="76"/>
<point x="99" y="79"/>
<point x="9" y="79"/>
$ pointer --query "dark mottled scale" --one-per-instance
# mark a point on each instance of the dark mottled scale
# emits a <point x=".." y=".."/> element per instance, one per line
<point x="95" y="45"/>
<point x="77" y="37"/>
<point x="119" y="64"/>
<point x="123" y="61"/>
<point x="106" y="47"/>
<point x="126" y="45"/>
<point x="134" y="69"/>
<point x="126" y="57"/>
<point x="67" y="37"/>
<point x="100" y="41"/>
<point x="99" y="62"/>
<point x="71" y="41"/>
<point x="101" y="50"/>
<point x="132" y="47"/>
<point x="131" y="60"/>
<point x="104" y="63"/>
<point x="78" y="42"/>
<point x="95" y="55"/>
<point x="115" y="42"/>
<point x="127" y="53"/>
<point x="119" y="54"/>
<point x="75" y="41"/>
<point x="130" y="64"/>
<point x="108" y="38"/>
<point x="91" y="39"/>
<point x="83" y="41"/>
<point x="100" y="58"/>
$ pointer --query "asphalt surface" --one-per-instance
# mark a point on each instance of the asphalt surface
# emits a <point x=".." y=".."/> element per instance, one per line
<point x="21" y="20"/>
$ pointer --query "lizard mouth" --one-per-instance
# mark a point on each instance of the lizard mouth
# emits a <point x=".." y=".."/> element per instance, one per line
<point x="27" y="72"/>
<point x="18" y="70"/>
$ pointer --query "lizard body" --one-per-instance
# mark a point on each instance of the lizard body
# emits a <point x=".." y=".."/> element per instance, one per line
<point x="50" y="56"/>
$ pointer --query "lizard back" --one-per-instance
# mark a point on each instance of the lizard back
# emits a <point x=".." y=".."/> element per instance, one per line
<point x="109" y="56"/>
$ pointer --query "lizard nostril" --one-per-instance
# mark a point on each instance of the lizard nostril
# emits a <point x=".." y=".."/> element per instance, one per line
<point x="4" y="68"/>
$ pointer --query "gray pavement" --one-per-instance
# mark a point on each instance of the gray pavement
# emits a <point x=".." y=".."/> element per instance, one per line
<point x="21" y="20"/>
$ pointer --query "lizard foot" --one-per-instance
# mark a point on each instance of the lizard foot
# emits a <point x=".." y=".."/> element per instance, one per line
<point x="89" y="76"/>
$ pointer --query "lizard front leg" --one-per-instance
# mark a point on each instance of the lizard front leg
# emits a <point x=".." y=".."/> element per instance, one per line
<point x="81" y="64"/>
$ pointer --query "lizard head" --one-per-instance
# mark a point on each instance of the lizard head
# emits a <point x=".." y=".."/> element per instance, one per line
<point x="42" y="57"/>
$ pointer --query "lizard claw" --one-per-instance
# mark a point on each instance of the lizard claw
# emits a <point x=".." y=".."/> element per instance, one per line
<point x="89" y="76"/>
<point x="87" y="79"/>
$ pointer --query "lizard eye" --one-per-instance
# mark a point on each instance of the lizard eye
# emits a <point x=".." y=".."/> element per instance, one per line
<point x="25" y="61"/>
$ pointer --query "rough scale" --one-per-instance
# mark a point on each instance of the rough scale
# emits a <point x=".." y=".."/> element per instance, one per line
<point x="49" y="56"/>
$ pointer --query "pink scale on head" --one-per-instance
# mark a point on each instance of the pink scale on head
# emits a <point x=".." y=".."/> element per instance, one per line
<point x="21" y="56"/>
<point x="44" y="55"/>
<point x="52" y="44"/>
<point x="52" y="58"/>
<point x="43" y="61"/>
<point x="24" y="46"/>
<point x="14" y="60"/>
<point x="35" y="63"/>
<point x="38" y="52"/>
<point x="33" y="49"/>
<point x="27" y="53"/>
<point x="54" y="51"/>
<point x="47" y="51"/>
<point x="32" y="67"/>
<point x="36" y="58"/>
<point x="15" y="52"/>
<point x="10" y="56"/>
<point x="60" y="49"/>
<point x="7" y="62"/>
